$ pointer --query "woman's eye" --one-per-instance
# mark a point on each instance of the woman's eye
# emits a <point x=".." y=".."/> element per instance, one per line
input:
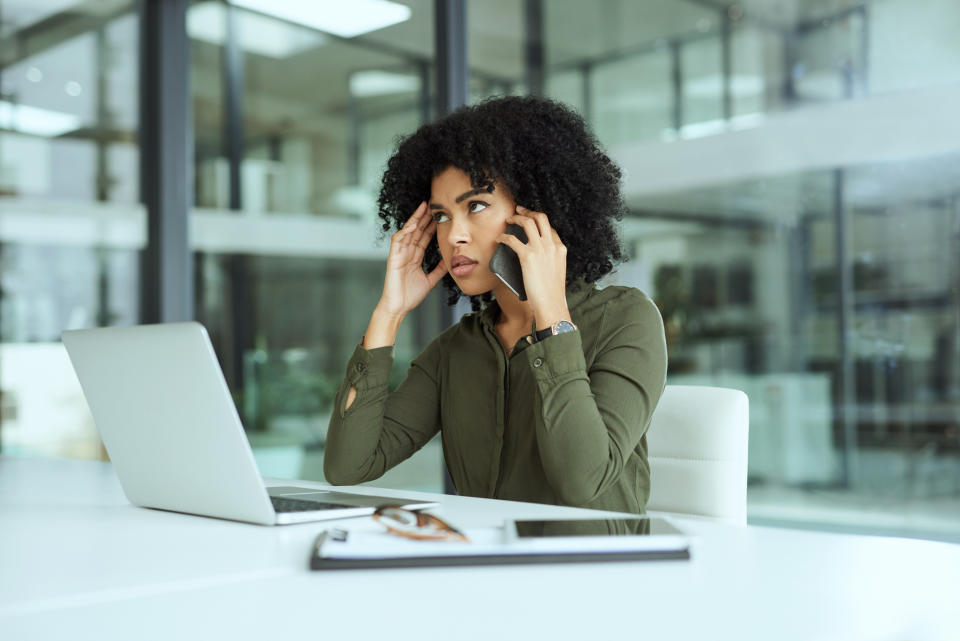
<point x="440" y="217"/>
<point x="476" y="205"/>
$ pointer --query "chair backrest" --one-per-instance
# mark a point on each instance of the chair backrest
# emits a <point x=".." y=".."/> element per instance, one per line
<point x="697" y="448"/>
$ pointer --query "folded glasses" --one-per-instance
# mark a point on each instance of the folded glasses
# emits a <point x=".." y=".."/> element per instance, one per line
<point x="417" y="525"/>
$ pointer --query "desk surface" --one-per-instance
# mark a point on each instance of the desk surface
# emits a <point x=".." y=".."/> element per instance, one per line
<point x="78" y="561"/>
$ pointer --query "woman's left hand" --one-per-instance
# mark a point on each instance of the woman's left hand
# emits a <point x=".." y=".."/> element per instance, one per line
<point x="543" y="259"/>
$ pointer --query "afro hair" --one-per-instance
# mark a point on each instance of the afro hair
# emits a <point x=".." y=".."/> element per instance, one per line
<point x="539" y="150"/>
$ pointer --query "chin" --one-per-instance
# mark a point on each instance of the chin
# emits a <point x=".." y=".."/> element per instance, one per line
<point x="472" y="289"/>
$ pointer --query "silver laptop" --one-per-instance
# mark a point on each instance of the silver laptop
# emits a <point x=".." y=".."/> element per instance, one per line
<point x="169" y="424"/>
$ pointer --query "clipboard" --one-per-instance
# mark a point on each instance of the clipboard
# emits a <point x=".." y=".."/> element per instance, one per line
<point x="341" y="550"/>
<point x="318" y="562"/>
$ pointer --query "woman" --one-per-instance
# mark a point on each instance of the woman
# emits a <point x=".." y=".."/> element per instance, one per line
<point x="544" y="400"/>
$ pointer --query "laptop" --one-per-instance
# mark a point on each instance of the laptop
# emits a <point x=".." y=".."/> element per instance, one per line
<point x="172" y="431"/>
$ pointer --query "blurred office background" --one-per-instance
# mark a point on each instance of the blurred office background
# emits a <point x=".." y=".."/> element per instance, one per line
<point x="792" y="169"/>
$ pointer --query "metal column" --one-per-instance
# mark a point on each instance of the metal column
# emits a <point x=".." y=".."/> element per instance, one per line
<point x="676" y="75"/>
<point x="452" y="92"/>
<point x="535" y="58"/>
<point x="586" y="91"/>
<point x="166" y="165"/>
<point x="844" y="407"/>
<point x="726" y="61"/>
<point x="241" y="304"/>
<point x="452" y="72"/>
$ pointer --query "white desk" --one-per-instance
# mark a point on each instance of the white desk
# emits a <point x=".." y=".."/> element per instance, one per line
<point x="77" y="561"/>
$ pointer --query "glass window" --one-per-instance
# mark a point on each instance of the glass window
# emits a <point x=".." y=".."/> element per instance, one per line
<point x="496" y="45"/>
<point x="702" y="101"/>
<point x="912" y="45"/>
<point x="759" y="80"/>
<point x="827" y="291"/>
<point x="616" y="61"/>
<point x="852" y="383"/>
<point x="71" y="227"/>
<point x="287" y="283"/>
<point x="818" y="277"/>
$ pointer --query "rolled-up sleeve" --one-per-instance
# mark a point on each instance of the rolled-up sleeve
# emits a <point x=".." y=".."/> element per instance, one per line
<point x="591" y="421"/>
<point x="380" y="428"/>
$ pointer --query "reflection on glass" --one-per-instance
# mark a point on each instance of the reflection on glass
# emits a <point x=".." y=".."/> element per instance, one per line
<point x="320" y="115"/>
<point x="755" y="301"/>
<point x="70" y="226"/>
<point x="828" y="291"/>
<point x="593" y="527"/>
<point x="320" y="111"/>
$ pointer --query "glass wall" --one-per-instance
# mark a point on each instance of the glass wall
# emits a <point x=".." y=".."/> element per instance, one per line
<point x="801" y="246"/>
<point x="70" y="226"/>
<point x="790" y="258"/>
<point x="290" y="265"/>
<point x="790" y="168"/>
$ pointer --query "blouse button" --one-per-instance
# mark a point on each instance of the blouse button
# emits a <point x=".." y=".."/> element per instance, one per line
<point x="538" y="362"/>
<point x="361" y="367"/>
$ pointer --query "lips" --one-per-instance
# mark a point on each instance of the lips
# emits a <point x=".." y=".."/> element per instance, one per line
<point x="462" y="266"/>
<point x="461" y="260"/>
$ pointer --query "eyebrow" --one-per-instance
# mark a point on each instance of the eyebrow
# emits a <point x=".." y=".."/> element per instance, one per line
<point x="473" y="192"/>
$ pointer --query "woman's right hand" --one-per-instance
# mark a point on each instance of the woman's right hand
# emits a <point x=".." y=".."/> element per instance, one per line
<point x="405" y="285"/>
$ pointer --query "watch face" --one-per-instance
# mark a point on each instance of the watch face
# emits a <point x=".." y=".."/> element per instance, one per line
<point x="564" y="326"/>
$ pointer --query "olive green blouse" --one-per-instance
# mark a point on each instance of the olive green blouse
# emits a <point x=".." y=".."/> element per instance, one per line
<point x="560" y="421"/>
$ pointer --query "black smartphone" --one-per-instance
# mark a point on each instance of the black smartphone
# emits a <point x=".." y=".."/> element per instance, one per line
<point x="505" y="264"/>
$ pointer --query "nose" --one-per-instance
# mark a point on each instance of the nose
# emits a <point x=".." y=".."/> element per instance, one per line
<point x="459" y="231"/>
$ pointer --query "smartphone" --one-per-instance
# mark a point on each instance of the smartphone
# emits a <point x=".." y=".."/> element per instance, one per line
<point x="505" y="264"/>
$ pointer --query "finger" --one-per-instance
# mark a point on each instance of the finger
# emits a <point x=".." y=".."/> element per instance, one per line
<point x="559" y="243"/>
<point x="526" y="211"/>
<point x="513" y="243"/>
<point x="427" y="221"/>
<point x="543" y="224"/>
<point x="438" y="272"/>
<point x="398" y="244"/>
<point x="411" y="235"/>
<point x="421" y="240"/>
<point x="529" y="226"/>
<point x="415" y="216"/>
<point x="427" y="236"/>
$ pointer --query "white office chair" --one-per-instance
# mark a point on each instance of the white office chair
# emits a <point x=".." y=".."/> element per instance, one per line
<point x="697" y="448"/>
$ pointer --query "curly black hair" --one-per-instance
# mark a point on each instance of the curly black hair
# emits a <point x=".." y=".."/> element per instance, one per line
<point x="541" y="151"/>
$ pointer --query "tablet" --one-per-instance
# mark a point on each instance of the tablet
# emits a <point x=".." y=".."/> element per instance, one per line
<point x="625" y="533"/>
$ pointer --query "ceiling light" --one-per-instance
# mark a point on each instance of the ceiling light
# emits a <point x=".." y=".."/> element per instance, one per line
<point x="258" y="34"/>
<point x="36" y="121"/>
<point x="364" y="84"/>
<point x="345" y="18"/>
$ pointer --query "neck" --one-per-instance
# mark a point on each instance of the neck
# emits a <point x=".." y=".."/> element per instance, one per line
<point x="513" y="311"/>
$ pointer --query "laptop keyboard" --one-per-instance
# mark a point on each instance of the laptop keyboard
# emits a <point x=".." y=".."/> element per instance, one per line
<point x="286" y="504"/>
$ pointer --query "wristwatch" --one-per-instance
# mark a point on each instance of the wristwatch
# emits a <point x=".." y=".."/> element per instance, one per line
<point x="560" y="327"/>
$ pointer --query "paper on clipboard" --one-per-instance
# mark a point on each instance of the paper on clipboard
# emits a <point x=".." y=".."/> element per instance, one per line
<point x="487" y="546"/>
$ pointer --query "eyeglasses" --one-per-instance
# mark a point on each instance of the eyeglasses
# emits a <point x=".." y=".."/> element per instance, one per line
<point x="417" y="525"/>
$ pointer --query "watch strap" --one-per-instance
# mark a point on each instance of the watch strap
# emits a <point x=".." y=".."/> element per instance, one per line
<point x="560" y="327"/>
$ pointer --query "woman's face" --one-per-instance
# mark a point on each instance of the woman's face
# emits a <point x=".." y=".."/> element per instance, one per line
<point x="469" y="221"/>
